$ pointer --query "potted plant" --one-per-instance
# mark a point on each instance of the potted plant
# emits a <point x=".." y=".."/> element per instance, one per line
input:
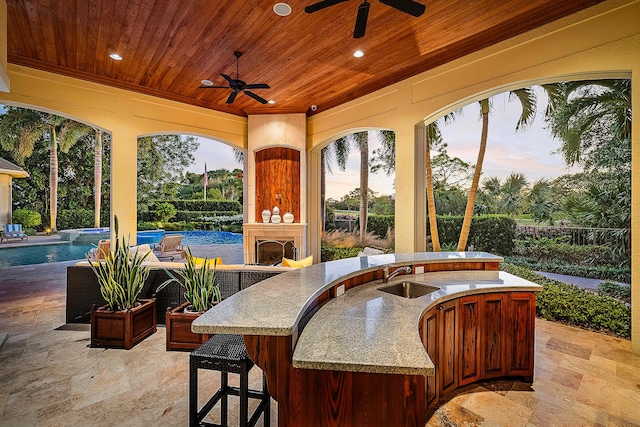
<point x="125" y="320"/>
<point x="201" y="292"/>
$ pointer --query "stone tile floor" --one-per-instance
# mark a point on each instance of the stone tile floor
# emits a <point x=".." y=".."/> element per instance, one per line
<point x="50" y="376"/>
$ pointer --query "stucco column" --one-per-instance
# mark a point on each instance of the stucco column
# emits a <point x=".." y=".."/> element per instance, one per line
<point x="405" y="183"/>
<point x="124" y="150"/>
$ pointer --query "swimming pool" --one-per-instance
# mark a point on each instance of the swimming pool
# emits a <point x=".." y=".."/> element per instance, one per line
<point x="41" y="254"/>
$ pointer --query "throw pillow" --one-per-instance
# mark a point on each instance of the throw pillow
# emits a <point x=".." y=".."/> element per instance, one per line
<point x="304" y="262"/>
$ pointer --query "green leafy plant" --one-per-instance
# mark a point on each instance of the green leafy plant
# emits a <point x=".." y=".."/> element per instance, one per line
<point x="121" y="276"/>
<point x="575" y="306"/>
<point x="27" y="218"/>
<point x="198" y="281"/>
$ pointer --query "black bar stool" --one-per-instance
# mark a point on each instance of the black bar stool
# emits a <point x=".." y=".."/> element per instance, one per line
<point x="227" y="354"/>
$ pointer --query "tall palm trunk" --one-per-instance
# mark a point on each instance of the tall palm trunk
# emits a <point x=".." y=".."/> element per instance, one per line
<point x="97" y="177"/>
<point x="53" y="178"/>
<point x="468" y="213"/>
<point x="431" y="202"/>
<point x="363" y="142"/>
<point x="323" y="187"/>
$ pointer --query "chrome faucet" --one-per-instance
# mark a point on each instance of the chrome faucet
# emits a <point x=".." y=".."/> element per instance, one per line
<point x="386" y="276"/>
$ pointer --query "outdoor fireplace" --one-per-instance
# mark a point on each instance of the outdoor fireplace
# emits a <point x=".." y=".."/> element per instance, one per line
<point x="271" y="252"/>
<point x="268" y="243"/>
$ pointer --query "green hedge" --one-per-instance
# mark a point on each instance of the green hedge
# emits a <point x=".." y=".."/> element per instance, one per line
<point x="331" y="253"/>
<point x="618" y="274"/>
<point x="80" y="218"/>
<point x="549" y="250"/>
<point x="489" y="233"/>
<point x="379" y="224"/>
<point x="209" y="205"/>
<point x="575" y="306"/>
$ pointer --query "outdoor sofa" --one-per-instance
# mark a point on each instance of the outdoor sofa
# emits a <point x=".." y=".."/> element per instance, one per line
<point x="83" y="290"/>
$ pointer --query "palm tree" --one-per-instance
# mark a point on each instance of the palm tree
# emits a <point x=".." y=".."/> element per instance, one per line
<point x="527" y="99"/>
<point x="97" y="175"/>
<point x="512" y="193"/>
<point x="338" y="150"/>
<point x="581" y="112"/>
<point x="539" y="201"/>
<point x="21" y="128"/>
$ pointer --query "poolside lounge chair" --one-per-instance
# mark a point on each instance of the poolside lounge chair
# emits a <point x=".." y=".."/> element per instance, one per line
<point x="13" y="231"/>
<point x="169" y="247"/>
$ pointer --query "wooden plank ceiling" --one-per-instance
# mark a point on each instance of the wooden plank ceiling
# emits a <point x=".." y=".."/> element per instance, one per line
<point x="168" y="46"/>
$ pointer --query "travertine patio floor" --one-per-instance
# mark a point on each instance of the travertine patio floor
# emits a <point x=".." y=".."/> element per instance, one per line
<point x="50" y="376"/>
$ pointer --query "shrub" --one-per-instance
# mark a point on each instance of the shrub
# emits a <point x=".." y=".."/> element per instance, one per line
<point x="147" y="225"/>
<point x="379" y="224"/>
<point x="26" y="217"/>
<point x="331" y="253"/>
<point x="489" y="233"/>
<point x="619" y="274"/>
<point x="209" y="205"/>
<point x="576" y="306"/>
<point x="551" y="250"/>
<point x="164" y="211"/>
<point x="615" y="290"/>
<point x="75" y="218"/>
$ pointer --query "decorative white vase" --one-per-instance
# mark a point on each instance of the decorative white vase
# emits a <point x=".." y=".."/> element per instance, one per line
<point x="275" y="218"/>
<point x="266" y="215"/>
<point x="276" y="210"/>
<point x="287" y="218"/>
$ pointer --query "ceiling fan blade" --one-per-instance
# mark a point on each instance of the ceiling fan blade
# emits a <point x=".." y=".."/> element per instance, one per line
<point x="260" y="99"/>
<point x="232" y="97"/>
<point x="257" y="86"/>
<point x="321" y="5"/>
<point x="231" y="81"/>
<point x="408" y="6"/>
<point x="361" y="20"/>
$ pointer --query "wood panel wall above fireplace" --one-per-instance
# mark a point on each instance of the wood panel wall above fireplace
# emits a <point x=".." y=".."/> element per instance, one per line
<point x="278" y="181"/>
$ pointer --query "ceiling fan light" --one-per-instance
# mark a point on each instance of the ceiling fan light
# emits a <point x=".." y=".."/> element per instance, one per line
<point x="282" y="9"/>
<point x="206" y="82"/>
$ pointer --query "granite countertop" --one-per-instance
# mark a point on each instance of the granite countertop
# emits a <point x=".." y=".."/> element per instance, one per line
<point x="368" y="330"/>
<point x="275" y="305"/>
<point x="365" y="330"/>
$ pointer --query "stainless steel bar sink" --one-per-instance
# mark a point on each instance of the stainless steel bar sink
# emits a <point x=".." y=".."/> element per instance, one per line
<point x="408" y="289"/>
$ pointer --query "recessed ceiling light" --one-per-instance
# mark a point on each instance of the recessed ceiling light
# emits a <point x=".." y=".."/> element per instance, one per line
<point x="115" y="56"/>
<point x="271" y="101"/>
<point x="206" y="82"/>
<point x="358" y="54"/>
<point x="282" y="9"/>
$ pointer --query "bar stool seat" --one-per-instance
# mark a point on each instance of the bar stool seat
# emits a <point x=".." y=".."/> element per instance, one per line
<point x="227" y="354"/>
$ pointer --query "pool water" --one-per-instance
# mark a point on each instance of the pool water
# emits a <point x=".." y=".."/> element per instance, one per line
<point x="41" y="254"/>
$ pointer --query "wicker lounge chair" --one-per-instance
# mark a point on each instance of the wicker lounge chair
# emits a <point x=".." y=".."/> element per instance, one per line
<point x="169" y="247"/>
<point x="13" y="231"/>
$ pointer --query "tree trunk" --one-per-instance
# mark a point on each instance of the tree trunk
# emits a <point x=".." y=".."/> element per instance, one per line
<point x="363" y="143"/>
<point x="53" y="179"/>
<point x="431" y="203"/>
<point x="323" y="188"/>
<point x="468" y="213"/>
<point x="97" y="177"/>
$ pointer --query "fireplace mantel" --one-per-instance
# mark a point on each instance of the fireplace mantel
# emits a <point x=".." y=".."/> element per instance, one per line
<point x="263" y="231"/>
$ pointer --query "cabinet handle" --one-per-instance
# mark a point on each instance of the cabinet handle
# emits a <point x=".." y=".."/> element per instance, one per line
<point x="441" y="307"/>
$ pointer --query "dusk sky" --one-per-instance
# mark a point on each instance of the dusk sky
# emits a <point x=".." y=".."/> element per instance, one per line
<point x="531" y="152"/>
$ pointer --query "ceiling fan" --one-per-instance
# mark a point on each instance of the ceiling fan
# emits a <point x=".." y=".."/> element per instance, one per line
<point x="237" y="85"/>
<point x="408" y="6"/>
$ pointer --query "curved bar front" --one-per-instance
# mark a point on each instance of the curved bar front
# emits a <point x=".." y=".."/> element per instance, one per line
<point x="345" y="360"/>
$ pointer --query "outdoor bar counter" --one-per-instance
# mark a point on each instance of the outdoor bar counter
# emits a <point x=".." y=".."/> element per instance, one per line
<point x="367" y="357"/>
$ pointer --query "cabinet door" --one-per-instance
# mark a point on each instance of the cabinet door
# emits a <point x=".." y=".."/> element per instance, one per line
<point x="521" y="333"/>
<point x="447" y="358"/>
<point x="494" y="326"/>
<point x="430" y="335"/>
<point x="470" y="315"/>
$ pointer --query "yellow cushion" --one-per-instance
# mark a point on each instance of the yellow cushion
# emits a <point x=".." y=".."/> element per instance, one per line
<point x="199" y="262"/>
<point x="304" y="262"/>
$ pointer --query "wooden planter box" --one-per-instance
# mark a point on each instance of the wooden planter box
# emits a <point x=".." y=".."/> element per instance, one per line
<point x="123" y="329"/>
<point x="179" y="335"/>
